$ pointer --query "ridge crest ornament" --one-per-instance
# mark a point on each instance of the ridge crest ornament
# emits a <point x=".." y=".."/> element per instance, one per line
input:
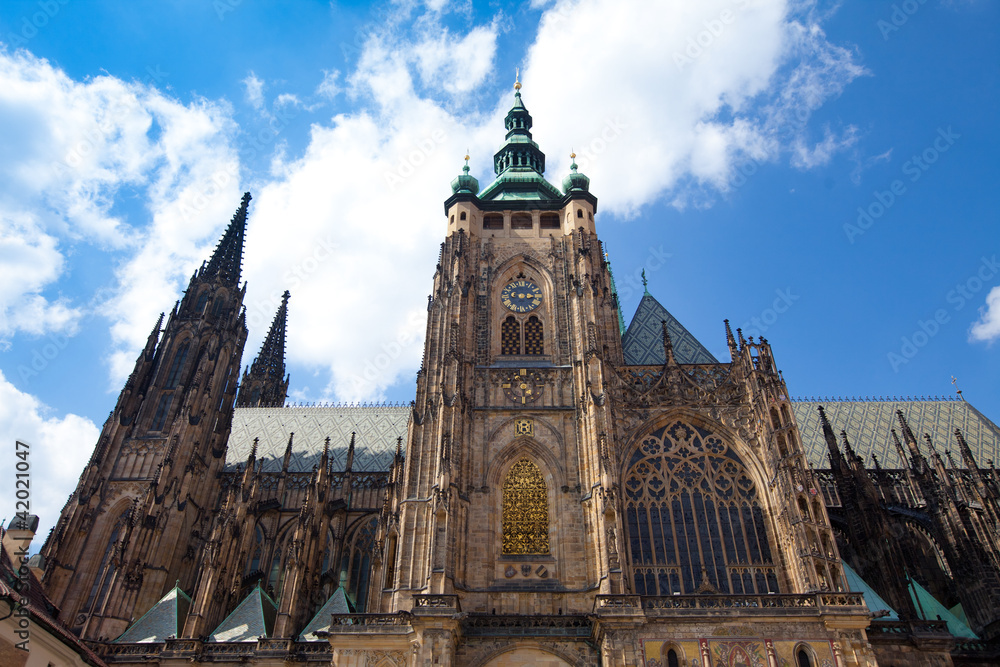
<point x="523" y="386"/>
<point x="521" y="296"/>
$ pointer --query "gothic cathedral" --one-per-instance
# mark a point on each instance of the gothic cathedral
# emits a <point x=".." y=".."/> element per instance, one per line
<point x="563" y="490"/>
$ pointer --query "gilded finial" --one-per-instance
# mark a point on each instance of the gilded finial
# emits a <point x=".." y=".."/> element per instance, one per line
<point x="517" y="78"/>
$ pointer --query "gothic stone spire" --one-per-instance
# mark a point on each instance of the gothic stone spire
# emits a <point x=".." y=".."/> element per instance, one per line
<point x="266" y="385"/>
<point x="227" y="260"/>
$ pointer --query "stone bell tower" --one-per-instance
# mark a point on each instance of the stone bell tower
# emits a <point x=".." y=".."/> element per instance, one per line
<point x="508" y="431"/>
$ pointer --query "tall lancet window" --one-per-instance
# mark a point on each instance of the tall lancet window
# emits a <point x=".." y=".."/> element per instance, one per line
<point x="534" y="339"/>
<point x="174" y="376"/>
<point x="106" y="572"/>
<point x="510" y="336"/>
<point x="525" y="515"/>
<point x="694" y="518"/>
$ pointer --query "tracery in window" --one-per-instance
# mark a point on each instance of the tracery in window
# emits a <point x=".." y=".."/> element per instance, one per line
<point x="510" y="336"/>
<point x="525" y="513"/>
<point x="691" y="507"/>
<point x="174" y="376"/>
<point x="257" y="551"/>
<point x="356" y="563"/>
<point x="534" y="342"/>
<point x="106" y="572"/>
<point x="160" y="416"/>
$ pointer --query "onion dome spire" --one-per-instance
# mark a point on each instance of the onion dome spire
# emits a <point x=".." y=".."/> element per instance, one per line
<point x="575" y="180"/>
<point x="227" y="260"/>
<point x="465" y="182"/>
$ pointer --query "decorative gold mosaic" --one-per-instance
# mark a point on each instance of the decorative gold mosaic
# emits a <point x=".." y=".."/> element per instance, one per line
<point x="525" y="511"/>
<point x="524" y="427"/>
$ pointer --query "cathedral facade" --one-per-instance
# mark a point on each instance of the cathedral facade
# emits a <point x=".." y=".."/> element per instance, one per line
<point x="563" y="490"/>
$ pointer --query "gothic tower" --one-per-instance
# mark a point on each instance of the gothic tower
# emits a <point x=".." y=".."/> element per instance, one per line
<point x="137" y="519"/>
<point x="509" y="410"/>
<point x="265" y="385"/>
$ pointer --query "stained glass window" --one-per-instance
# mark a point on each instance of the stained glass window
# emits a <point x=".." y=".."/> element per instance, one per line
<point x="510" y="336"/>
<point x="525" y="514"/>
<point x="160" y="417"/>
<point x="691" y="509"/>
<point x="174" y="376"/>
<point x="533" y="337"/>
<point x="106" y="572"/>
<point x="356" y="563"/>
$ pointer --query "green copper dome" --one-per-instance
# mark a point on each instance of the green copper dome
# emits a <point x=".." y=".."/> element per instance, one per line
<point x="575" y="180"/>
<point x="465" y="183"/>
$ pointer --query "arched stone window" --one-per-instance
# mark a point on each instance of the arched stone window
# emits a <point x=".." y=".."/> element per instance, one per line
<point x="199" y="306"/>
<point x="174" y="376"/>
<point x="160" y="416"/>
<point x="802" y="657"/>
<point x="534" y="337"/>
<point x="525" y="515"/>
<point x="106" y="572"/>
<point x="256" y="551"/>
<point x="510" y="336"/>
<point x="356" y="563"/>
<point x="692" y="509"/>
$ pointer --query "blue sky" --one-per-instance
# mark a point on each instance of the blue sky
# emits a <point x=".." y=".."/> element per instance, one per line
<point x="820" y="174"/>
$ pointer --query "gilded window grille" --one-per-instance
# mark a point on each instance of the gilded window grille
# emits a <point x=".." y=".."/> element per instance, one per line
<point x="693" y="517"/>
<point x="510" y="336"/>
<point x="534" y="342"/>
<point x="525" y="515"/>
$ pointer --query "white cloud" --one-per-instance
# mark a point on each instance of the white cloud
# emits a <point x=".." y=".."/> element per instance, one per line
<point x="59" y="448"/>
<point x="673" y="96"/>
<point x="328" y="87"/>
<point x="987" y="328"/>
<point x="78" y="145"/>
<point x="254" y="91"/>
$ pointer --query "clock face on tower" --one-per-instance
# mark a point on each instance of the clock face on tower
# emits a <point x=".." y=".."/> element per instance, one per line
<point x="521" y="296"/>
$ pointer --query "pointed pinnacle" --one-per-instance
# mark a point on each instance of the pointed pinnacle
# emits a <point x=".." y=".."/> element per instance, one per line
<point x="227" y="260"/>
<point x="668" y="345"/>
<point x="270" y="362"/>
<point x="730" y="340"/>
<point x="350" y="454"/>
<point x="967" y="455"/>
<point x="154" y="336"/>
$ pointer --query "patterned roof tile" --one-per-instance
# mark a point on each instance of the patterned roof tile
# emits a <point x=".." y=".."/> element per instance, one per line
<point x="869" y="423"/>
<point x="642" y="343"/>
<point x="377" y="428"/>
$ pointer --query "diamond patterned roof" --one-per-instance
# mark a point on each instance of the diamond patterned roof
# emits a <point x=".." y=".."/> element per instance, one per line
<point x="164" y="619"/>
<point x="377" y="429"/>
<point x="868" y="425"/>
<point x="643" y="342"/>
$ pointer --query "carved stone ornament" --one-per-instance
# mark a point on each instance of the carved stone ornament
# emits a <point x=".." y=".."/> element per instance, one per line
<point x="523" y="386"/>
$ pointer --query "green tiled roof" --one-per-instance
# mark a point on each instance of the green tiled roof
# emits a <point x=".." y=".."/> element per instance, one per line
<point x="164" y="619"/>
<point x="253" y="618"/>
<point x="873" y="600"/>
<point x="930" y="609"/>
<point x="642" y="343"/>
<point x="337" y="604"/>
<point x="868" y="424"/>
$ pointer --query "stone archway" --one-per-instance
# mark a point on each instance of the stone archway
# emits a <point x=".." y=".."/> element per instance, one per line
<point x="526" y="657"/>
